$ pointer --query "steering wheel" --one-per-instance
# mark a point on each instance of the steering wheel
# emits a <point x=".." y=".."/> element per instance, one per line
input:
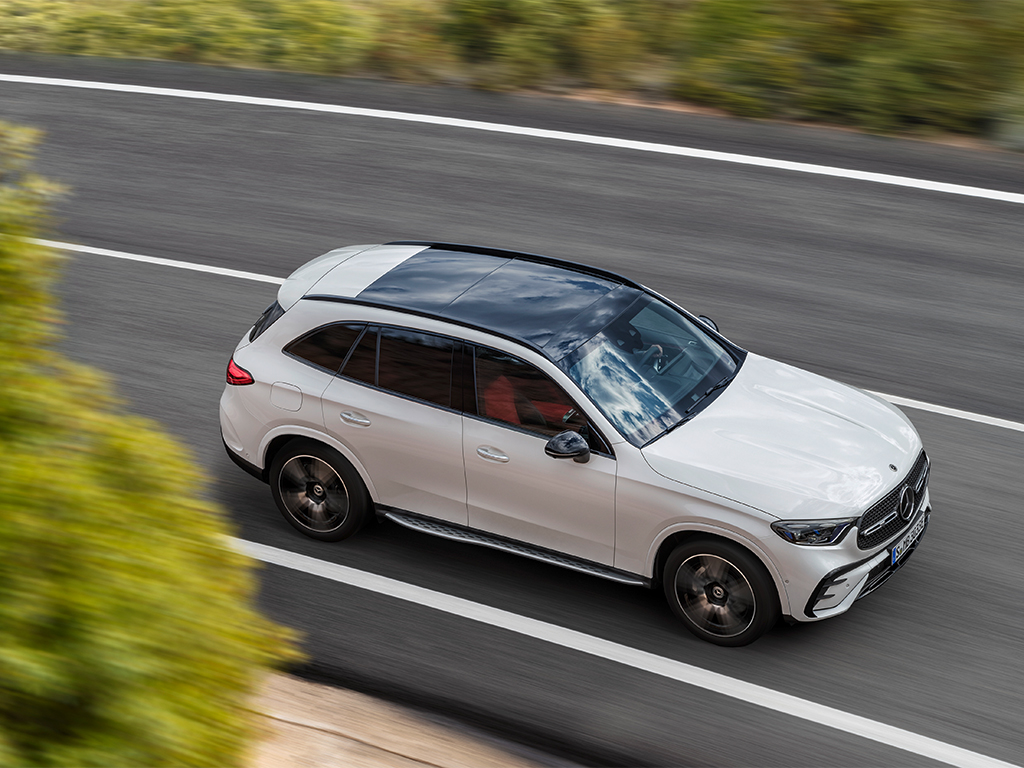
<point x="683" y="355"/>
<point x="652" y="351"/>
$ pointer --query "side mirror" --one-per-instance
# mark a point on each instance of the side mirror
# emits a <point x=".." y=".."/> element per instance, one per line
<point x="708" y="322"/>
<point x="568" y="445"/>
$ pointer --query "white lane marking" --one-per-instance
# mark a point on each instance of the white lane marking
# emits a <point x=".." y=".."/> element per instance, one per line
<point x="956" y="413"/>
<point x="540" y="133"/>
<point x="157" y="260"/>
<point x="631" y="657"/>
<point x="906" y="402"/>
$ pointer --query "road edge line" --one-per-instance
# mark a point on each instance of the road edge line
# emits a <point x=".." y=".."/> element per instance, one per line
<point x="191" y="265"/>
<point x="540" y="133"/>
<point x="956" y="413"/>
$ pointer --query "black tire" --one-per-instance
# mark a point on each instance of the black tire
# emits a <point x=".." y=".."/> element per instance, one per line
<point x="721" y="591"/>
<point x="318" y="491"/>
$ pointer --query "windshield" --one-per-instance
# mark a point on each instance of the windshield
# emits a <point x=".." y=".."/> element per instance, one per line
<point x="650" y="369"/>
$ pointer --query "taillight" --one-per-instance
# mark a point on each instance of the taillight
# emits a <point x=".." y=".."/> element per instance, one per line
<point x="237" y="374"/>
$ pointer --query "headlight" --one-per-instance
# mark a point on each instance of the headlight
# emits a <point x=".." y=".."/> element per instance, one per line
<point x="814" y="533"/>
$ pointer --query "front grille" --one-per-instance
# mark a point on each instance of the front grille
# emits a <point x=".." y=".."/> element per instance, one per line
<point x="885" y="510"/>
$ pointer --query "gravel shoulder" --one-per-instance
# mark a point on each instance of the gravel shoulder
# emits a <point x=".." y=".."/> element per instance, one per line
<point x="307" y="724"/>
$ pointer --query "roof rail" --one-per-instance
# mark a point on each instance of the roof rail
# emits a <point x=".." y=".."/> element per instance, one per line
<point x="522" y="256"/>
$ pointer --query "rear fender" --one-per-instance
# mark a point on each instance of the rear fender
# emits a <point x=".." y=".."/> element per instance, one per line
<point x="321" y="437"/>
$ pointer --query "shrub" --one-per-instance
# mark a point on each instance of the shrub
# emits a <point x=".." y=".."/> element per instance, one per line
<point x="30" y="25"/>
<point x="409" y="42"/>
<point x="527" y="42"/>
<point x="880" y="64"/>
<point x="310" y="35"/>
<point x="326" y="36"/>
<point x="185" y="30"/>
<point x="657" y="23"/>
<point x="1008" y="125"/>
<point x="738" y="55"/>
<point x="127" y="633"/>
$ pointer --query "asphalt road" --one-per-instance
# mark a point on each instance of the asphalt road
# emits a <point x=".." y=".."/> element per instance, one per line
<point x="913" y="293"/>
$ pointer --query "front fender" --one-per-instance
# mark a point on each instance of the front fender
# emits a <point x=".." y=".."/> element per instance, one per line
<point x="726" y="533"/>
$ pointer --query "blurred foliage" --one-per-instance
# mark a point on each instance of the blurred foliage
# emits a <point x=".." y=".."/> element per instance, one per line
<point x="127" y="635"/>
<point x="306" y="35"/>
<point x="530" y="42"/>
<point x="884" y="65"/>
<point x="409" y="43"/>
<point x="879" y="64"/>
<point x="32" y="25"/>
<point x="1008" y="130"/>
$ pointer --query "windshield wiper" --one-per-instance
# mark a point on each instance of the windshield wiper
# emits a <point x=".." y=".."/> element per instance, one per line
<point x="725" y="381"/>
<point x="688" y="414"/>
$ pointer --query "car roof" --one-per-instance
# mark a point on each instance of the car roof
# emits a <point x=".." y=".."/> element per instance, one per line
<point x="549" y="304"/>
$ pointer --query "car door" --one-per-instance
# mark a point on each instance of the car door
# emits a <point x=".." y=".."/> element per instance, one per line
<point x="392" y="406"/>
<point x="514" y="488"/>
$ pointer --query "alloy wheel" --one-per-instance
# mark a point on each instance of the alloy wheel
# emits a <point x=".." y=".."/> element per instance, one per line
<point x="313" y="493"/>
<point x="715" y="595"/>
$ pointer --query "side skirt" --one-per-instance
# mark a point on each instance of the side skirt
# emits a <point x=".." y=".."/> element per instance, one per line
<point x="470" y="536"/>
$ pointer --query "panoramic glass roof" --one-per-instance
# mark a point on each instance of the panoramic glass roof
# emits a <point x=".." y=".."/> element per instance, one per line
<point x="431" y="279"/>
<point x="541" y="303"/>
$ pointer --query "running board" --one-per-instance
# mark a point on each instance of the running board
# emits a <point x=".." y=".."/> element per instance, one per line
<point x="468" y="536"/>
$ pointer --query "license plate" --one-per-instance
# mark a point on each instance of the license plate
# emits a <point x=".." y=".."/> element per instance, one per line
<point x="907" y="541"/>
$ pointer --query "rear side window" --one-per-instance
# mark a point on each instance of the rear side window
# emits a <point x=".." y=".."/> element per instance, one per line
<point x="416" y="364"/>
<point x="326" y="347"/>
<point x="267" y="319"/>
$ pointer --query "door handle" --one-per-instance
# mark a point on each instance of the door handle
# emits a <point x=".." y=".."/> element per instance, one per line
<point x="491" y="454"/>
<point x="355" y="419"/>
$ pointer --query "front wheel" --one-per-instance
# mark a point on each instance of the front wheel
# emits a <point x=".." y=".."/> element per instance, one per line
<point x="721" y="591"/>
<point x="318" y="491"/>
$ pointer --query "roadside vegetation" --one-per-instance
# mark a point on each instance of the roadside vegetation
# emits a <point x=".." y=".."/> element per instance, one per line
<point x="127" y="632"/>
<point x="880" y="65"/>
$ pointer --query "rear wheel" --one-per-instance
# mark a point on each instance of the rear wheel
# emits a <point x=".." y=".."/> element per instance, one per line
<point x="318" y="491"/>
<point x="721" y="591"/>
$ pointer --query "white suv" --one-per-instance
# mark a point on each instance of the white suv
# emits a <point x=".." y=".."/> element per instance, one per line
<point x="570" y="415"/>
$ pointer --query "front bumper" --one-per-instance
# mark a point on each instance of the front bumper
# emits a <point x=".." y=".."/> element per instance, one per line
<point x="842" y="587"/>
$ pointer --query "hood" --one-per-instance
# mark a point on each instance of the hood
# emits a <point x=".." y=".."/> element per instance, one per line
<point x="790" y="443"/>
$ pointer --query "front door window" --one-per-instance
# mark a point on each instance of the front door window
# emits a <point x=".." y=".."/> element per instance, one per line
<point x="516" y="393"/>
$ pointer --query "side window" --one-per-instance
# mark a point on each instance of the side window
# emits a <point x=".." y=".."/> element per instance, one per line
<point x="416" y="364"/>
<point x="362" y="363"/>
<point x="514" y="392"/>
<point x="326" y="347"/>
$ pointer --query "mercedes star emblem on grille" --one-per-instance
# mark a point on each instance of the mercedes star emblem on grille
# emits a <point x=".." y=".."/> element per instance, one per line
<point x="907" y="503"/>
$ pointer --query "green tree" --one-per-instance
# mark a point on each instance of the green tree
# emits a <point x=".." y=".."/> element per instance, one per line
<point x="127" y="632"/>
